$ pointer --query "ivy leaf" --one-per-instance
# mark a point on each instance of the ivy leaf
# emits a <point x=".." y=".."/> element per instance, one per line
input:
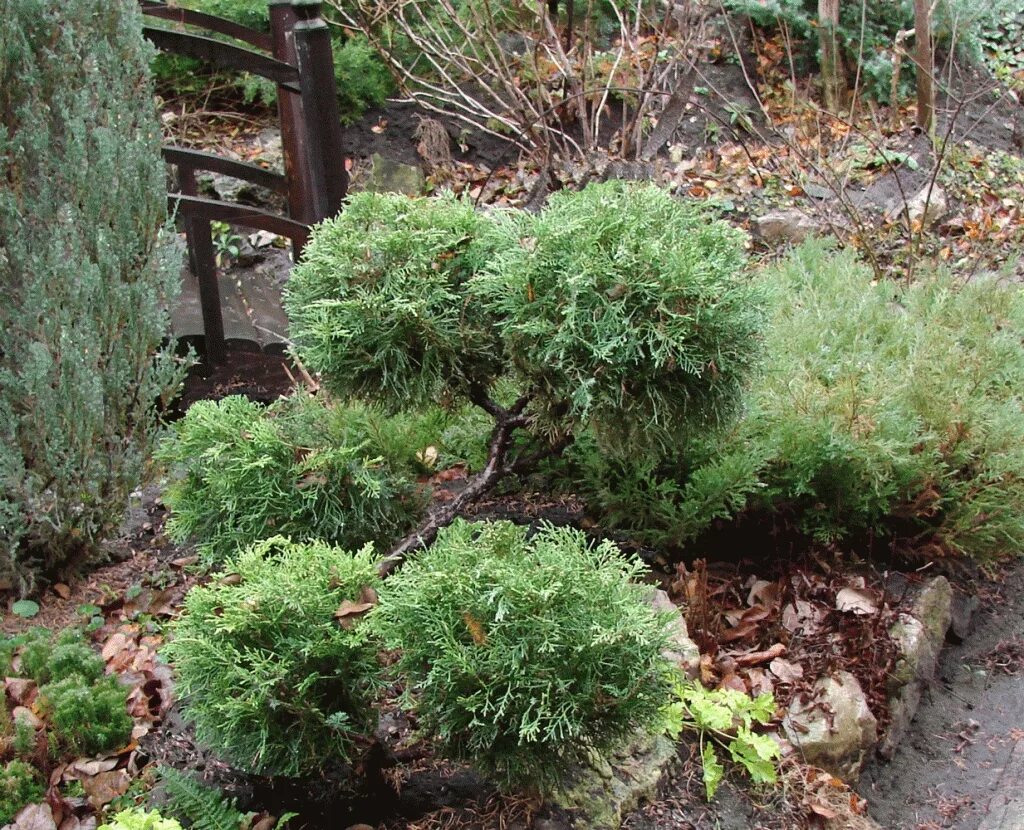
<point x="26" y="608"/>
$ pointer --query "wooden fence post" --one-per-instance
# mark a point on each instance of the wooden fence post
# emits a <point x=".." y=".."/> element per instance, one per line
<point x="320" y="106"/>
<point x="204" y="265"/>
<point x="289" y="108"/>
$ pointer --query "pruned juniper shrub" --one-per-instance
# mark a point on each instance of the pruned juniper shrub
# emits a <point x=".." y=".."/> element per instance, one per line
<point x="624" y="309"/>
<point x="301" y="467"/>
<point x="882" y="409"/>
<point x="617" y="309"/>
<point x="379" y="304"/>
<point x="520" y="654"/>
<point x="86" y="284"/>
<point x="274" y="664"/>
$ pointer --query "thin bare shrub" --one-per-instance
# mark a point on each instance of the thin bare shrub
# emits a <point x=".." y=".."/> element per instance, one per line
<point x="557" y="86"/>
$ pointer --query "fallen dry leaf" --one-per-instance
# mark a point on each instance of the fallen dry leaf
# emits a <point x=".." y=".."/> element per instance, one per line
<point x="822" y="810"/>
<point x="89" y="767"/>
<point x="184" y="561"/>
<point x="34" y="817"/>
<point x="114" y="646"/>
<point x="756" y="657"/>
<point x="785" y="670"/>
<point x="103" y="788"/>
<point x="764" y="593"/>
<point x="856" y="600"/>
<point x="348" y="612"/>
<point x="20" y="690"/>
<point x="735" y="682"/>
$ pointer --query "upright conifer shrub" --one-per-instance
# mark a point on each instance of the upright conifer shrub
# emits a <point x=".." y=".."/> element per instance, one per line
<point x="85" y="284"/>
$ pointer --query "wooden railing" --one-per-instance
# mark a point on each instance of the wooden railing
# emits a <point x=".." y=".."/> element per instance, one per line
<point x="296" y="55"/>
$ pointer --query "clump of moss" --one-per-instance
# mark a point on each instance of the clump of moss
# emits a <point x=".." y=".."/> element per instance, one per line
<point x="20" y="784"/>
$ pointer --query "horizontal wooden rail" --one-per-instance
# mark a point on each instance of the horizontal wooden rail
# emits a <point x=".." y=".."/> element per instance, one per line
<point x="261" y="40"/>
<point x="198" y="160"/>
<point x="224" y="55"/>
<point x="196" y="207"/>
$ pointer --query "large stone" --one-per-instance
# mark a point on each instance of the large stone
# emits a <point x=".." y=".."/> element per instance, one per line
<point x="923" y="208"/>
<point x="601" y="793"/>
<point x="919" y="636"/>
<point x="787" y="225"/>
<point x="682" y="651"/>
<point x="964" y="613"/>
<point x="390" y="176"/>
<point x="833" y="728"/>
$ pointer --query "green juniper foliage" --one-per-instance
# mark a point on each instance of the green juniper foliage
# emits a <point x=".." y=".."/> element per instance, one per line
<point x="270" y="678"/>
<point x="379" y="304"/>
<point x="301" y="467"/>
<point x="20" y="785"/>
<point x="521" y="654"/>
<point x="623" y="308"/>
<point x="86" y="285"/>
<point x="617" y="306"/>
<point x="880" y="409"/>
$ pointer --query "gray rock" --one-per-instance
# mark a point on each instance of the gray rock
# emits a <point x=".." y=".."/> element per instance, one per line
<point x="271" y="150"/>
<point x="787" y="225"/>
<point x="834" y="729"/>
<point x="964" y="608"/>
<point x="926" y="206"/>
<point x="601" y="793"/>
<point x="919" y="636"/>
<point x="682" y="651"/>
<point x="389" y="176"/>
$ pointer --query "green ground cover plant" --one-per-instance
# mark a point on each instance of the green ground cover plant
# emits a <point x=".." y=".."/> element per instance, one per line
<point x="138" y="819"/>
<point x="86" y="282"/>
<point x="269" y="673"/>
<point x="725" y="719"/>
<point x="199" y="806"/>
<point x="84" y="712"/>
<point x="86" y="718"/>
<point x="20" y="785"/>
<point x="520" y="653"/>
<point x="881" y="410"/>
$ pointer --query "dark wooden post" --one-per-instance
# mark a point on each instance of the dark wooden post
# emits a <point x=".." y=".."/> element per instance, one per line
<point x="320" y="105"/>
<point x="204" y="266"/>
<point x="293" y="133"/>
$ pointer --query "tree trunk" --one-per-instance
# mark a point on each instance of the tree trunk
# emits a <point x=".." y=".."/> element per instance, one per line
<point x="925" y="66"/>
<point x="833" y="74"/>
